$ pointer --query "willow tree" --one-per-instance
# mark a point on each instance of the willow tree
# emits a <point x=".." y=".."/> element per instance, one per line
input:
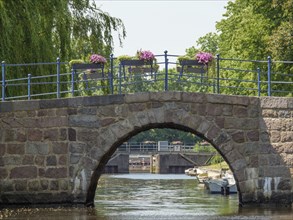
<point x="40" y="31"/>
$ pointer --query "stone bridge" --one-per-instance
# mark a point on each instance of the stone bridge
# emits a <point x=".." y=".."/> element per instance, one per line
<point x="54" y="151"/>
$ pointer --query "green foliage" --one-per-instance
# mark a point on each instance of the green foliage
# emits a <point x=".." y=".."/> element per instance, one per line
<point x="185" y="57"/>
<point x="40" y="31"/>
<point x="75" y="61"/>
<point x="125" y="57"/>
<point x="165" y="135"/>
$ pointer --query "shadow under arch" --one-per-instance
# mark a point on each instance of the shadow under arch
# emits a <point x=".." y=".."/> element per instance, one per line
<point x="220" y="143"/>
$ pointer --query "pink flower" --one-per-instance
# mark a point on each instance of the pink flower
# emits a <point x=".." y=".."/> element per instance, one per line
<point x="146" y="55"/>
<point x="204" y="57"/>
<point x="96" y="58"/>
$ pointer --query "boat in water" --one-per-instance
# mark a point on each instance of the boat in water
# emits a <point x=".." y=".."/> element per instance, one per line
<point x="225" y="185"/>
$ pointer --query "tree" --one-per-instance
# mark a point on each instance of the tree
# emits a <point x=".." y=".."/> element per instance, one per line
<point x="40" y="31"/>
<point x="254" y="30"/>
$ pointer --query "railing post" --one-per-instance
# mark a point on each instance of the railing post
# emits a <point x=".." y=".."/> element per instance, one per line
<point x="3" y="80"/>
<point x="29" y="86"/>
<point x="111" y="74"/>
<point x="269" y="75"/>
<point x="258" y="81"/>
<point x="218" y="73"/>
<point x="72" y="82"/>
<point x="58" y="78"/>
<point x="166" y="70"/>
<point x="119" y="78"/>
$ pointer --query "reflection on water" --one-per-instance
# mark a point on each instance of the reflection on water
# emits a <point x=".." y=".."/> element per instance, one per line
<point x="160" y="195"/>
<point x="151" y="196"/>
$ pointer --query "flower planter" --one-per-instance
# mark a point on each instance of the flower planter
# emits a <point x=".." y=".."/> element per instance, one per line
<point x="190" y="63"/>
<point x="188" y="69"/>
<point x="137" y="66"/>
<point x="84" y="66"/>
<point x="136" y="62"/>
<point x="191" y="66"/>
<point x="95" y="75"/>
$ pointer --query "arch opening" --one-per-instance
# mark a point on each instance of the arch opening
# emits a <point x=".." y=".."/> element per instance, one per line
<point x="96" y="174"/>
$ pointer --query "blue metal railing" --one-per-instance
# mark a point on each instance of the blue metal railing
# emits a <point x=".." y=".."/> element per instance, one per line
<point x="226" y="76"/>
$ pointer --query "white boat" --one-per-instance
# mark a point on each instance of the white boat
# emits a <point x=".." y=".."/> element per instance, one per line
<point x="195" y="171"/>
<point x="224" y="185"/>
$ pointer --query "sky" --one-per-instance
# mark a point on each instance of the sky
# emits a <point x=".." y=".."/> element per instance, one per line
<point x="159" y="25"/>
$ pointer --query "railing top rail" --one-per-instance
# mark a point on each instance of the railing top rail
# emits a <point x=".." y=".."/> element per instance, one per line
<point x="222" y="76"/>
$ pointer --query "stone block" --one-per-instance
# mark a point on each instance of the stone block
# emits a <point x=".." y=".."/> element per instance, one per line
<point x="137" y="98"/>
<point x="214" y="109"/>
<point x="107" y="121"/>
<point x="20" y="135"/>
<point x="88" y="121"/>
<point x="240" y="111"/>
<point x="253" y="135"/>
<point x="243" y="123"/>
<point x="136" y="107"/>
<point x="53" y="103"/>
<point x="238" y="136"/>
<point x="33" y="185"/>
<point x="239" y="164"/>
<point x="62" y="134"/>
<point x="6" y="106"/>
<point x="102" y="100"/>
<point x="193" y="97"/>
<point x="87" y="135"/>
<point x="36" y="148"/>
<point x="78" y="148"/>
<point x="12" y="160"/>
<point x="75" y="158"/>
<point x="155" y="104"/>
<point x="204" y="126"/>
<point x="9" y="135"/>
<point x="75" y="102"/>
<point x="40" y="160"/>
<point x="71" y="134"/>
<point x="213" y="133"/>
<point x="222" y="141"/>
<point x="50" y="122"/>
<point x="273" y="102"/>
<point x="54" y="185"/>
<point x="28" y="160"/>
<point x="26" y="105"/>
<point x="35" y="135"/>
<point x="165" y="96"/>
<point x="62" y="160"/>
<point x="60" y="147"/>
<point x="51" y="160"/>
<point x="110" y="111"/>
<point x="63" y="185"/>
<point x="2" y="149"/>
<point x="44" y="184"/>
<point x="87" y="110"/>
<point x="51" y="134"/>
<point x="20" y="185"/>
<point x="283" y="184"/>
<point x="56" y="173"/>
<point x="23" y="172"/>
<point x="3" y="173"/>
<point x="15" y="149"/>
<point x="287" y="136"/>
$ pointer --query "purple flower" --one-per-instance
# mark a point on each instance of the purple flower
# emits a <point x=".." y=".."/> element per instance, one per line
<point x="96" y="58"/>
<point x="204" y="57"/>
<point x="146" y="55"/>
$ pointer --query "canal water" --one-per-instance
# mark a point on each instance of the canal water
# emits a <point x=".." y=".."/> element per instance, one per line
<point x="151" y="196"/>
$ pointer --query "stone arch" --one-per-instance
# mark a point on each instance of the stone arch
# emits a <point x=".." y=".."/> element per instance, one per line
<point x="177" y="118"/>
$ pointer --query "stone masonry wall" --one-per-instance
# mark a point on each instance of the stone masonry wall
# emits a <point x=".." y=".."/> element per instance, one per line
<point x="53" y="151"/>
